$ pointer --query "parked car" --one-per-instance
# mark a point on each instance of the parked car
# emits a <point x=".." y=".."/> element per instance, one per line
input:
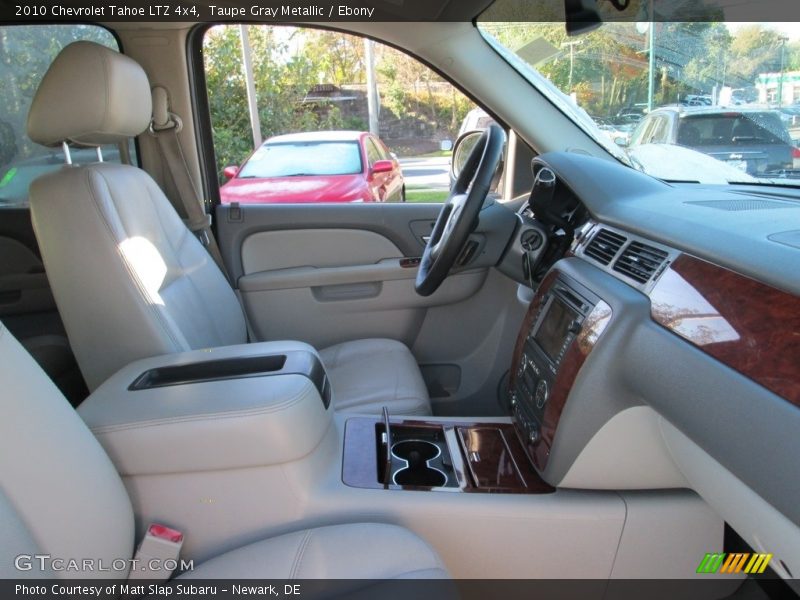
<point x="619" y="134"/>
<point x="753" y="140"/>
<point x="698" y="100"/>
<point x="476" y="120"/>
<point x="319" y="166"/>
<point x="632" y="113"/>
<point x="790" y="115"/>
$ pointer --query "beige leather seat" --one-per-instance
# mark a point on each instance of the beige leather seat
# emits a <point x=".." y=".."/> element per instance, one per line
<point x="60" y="495"/>
<point x="129" y="279"/>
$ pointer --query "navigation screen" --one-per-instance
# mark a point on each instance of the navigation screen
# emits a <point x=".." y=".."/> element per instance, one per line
<point x="554" y="327"/>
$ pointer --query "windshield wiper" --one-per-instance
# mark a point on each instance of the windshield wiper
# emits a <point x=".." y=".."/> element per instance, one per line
<point x="635" y="163"/>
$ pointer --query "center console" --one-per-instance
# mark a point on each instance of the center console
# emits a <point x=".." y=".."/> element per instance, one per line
<point x="232" y="407"/>
<point x="451" y="456"/>
<point x="559" y="330"/>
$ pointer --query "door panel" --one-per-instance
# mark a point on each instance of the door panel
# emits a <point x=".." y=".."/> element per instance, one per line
<point x="327" y="306"/>
<point x="24" y="289"/>
<point x="391" y="221"/>
<point x="27" y="307"/>
<point x="23" y="284"/>
<point x="327" y="285"/>
<point x="270" y="250"/>
<point x="325" y="274"/>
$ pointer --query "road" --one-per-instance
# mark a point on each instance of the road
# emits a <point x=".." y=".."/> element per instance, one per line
<point x="426" y="172"/>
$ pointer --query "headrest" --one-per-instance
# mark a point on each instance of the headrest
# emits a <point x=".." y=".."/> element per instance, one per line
<point x="90" y="95"/>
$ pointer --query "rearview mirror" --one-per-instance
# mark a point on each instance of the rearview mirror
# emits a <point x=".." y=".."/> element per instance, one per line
<point x="230" y="171"/>
<point x="382" y="166"/>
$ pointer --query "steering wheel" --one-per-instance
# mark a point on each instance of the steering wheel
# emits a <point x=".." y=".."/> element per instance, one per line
<point x="459" y="215"/>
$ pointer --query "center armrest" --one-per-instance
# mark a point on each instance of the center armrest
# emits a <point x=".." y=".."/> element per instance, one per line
<point x="218" y="408"/>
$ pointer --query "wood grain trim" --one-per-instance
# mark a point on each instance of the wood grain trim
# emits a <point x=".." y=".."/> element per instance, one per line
<point x="503" y="467"/>
<point x="745" y="324"/>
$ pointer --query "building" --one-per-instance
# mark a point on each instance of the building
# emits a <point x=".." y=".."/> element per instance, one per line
<point x="767" y="85"/>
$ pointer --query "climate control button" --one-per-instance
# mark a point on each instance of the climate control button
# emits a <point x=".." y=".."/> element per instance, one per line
<point x="533" y="434"/>
<point x="542" y="393"/>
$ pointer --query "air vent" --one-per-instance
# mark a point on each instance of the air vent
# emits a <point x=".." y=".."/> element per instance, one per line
<point x="639" y="261"/>
<point x="604" y="246"/>
<point x="738" y="205"/>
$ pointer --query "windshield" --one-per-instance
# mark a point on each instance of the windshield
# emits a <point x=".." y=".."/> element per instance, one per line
<point x="293" y="159"/>
<point x="719" y="102"/>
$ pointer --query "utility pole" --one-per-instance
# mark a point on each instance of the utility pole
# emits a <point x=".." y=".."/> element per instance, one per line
<point x="252" y="99"/>
<point x="780" y="79"/>
<point x="372" y="87"/>
<point x="571" y="63"/>
<point x="571" y="45"/>
<point x="651" y="79"/>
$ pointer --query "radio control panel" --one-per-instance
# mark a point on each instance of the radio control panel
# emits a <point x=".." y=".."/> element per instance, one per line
<point x="556" y="317"/>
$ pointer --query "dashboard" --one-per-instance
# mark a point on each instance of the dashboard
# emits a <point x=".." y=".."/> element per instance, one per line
<point x="679" y="299"/>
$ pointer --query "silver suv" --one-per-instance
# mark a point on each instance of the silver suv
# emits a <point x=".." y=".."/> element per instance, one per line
<point x="754" y="140"/>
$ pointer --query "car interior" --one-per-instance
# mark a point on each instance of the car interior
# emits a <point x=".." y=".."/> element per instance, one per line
<point x="569" y="369"/>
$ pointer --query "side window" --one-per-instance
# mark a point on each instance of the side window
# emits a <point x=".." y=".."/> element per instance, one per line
<point x="385" y="152"/>
<point x="657" y="134"/>
<point x="373" y="154"/>
<point x="26" y="52"/>
<point x="640" y="134"/>
<point x="312" y="87"/>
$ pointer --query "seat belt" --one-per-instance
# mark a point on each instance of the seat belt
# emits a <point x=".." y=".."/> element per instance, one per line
<point x="156" y="557"/>
<point x="165" y="126"/>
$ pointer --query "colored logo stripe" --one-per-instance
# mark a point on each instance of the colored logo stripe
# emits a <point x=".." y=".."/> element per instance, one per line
<point x="758" y="564"/>
<point x="711" y="563"/>
<point x="734" y="562"/>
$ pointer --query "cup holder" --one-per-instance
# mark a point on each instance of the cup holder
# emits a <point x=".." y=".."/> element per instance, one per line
<point x="417" y="454"/>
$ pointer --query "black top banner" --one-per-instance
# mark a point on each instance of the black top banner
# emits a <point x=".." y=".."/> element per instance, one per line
<point x="321" y="11"/>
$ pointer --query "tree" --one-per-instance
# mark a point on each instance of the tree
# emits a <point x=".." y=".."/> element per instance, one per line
<point x="755" y="50"/>
<point x="282" y="80"/>
<point x="289" y="62"/>
<point x="25" y="55"/>
<point x="337" y="58"/>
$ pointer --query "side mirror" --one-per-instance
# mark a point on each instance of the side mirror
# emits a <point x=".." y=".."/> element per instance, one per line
<point x="621" y="142"/>
<point x="461" y="150"/>
<point x="382" y="166"/>
<point x="230" y="171"/>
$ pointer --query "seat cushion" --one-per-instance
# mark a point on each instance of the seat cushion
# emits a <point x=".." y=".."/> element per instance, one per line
<point x="368" y="374"/>
<point x="352" y="551"/>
